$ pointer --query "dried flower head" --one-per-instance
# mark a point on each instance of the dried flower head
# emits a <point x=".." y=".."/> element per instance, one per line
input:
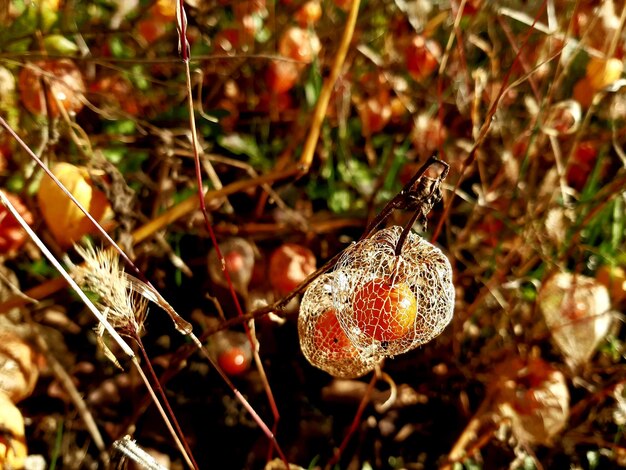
<point x="102" y="275"/>
<point x="386" y="303"/>
<point x="322" y="339"/>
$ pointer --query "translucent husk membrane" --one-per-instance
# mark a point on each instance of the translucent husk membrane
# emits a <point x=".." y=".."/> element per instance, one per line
<point x="388" y="304"/>
<point x="577" y="312"/>
<point x="322" y="340"/>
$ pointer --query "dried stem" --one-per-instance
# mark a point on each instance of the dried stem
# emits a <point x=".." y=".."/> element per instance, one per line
<point x="67" y="383"/>
<point x="90" y="306"/>
<point x="184" y="48"/>
<point x="322" y="102"/>
<point x="181" y="442"/>
<point x="469" y="160"/>
<point x="355" y="422"/>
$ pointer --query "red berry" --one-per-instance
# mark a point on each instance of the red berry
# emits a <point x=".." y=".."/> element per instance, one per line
<point x="118" y="91"/>
<point x="12" y="235"/>
<point x="234" y="261"/>
<point x="422" y="57"/>
<point x="234" y="361"/>
<point x="581" y="166"/>
<point x="227" y="41"/>
<point x="282" y="76"/>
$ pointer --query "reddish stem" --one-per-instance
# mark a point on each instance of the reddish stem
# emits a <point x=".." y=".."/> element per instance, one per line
<point x="184" y="49"/>
<point x="355" y="423"/>
<point x="166" y="403"/>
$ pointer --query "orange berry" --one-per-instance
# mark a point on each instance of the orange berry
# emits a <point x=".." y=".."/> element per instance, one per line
<point x="290" y="264"/>
<point x="299" y="44"/>
<point x="614" y="279"/>
<point x="343" y="4"/>
<point x="383" y="310"/>
<point x="151" y="29"/>
<point x="282" y="76"/>
<point x="309" y="13"/>
<point x="583" y="92"/>
<point x="375" y="114"/>
<point x="164" y="9"/>
<point x="330" y="338"/>
<point x="65" y="87"/>
<point x="603" y="72"/>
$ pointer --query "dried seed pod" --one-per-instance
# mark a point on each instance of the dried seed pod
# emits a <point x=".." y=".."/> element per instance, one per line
<point x="563" y="118"/>
<point x="19" y="370"/>
<point x="388" y="304"/>
<point x="534" y="396"/>
<point x="576" y="310"/>
<point x="13" y="450"/>
<point x="322" y="339"/>
<point x="65" y="87"/>
<point x="65" y="220"/>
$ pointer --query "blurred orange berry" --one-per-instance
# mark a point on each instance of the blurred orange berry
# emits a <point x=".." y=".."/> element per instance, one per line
<point x="603" y="72"/>
<point x="65" y="87"/>
<point x="309" y="13"/>
<point x="290" y="264"/>
<point x="12" y="235"/>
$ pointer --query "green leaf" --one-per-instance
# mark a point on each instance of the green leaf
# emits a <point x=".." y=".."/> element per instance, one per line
<point x="59" y="44"/>
<point x="138" y="77"/>
<point x="340" y="200"/>
<point x="40" y="268"/>
<point x="123" y="127"/>
<point x="244" y="145"/>
<point x="313" y="86"/>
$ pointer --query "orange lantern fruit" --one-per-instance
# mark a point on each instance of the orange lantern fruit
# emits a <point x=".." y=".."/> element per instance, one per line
<point x="330" y="337"/>
<point x="384" y="310"/>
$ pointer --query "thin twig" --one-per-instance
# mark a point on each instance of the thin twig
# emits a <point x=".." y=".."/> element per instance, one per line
<point x="89" y="304"/>
<point x="184" y="49"/>
<point x="322" y="102"/>
<point x="355" y="422"/>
